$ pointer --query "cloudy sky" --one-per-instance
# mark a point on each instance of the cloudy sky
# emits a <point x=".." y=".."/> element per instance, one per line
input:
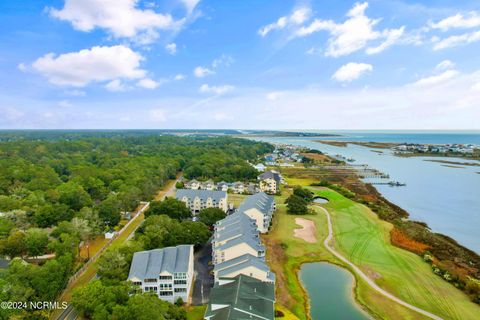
<point x="396" y="64"/>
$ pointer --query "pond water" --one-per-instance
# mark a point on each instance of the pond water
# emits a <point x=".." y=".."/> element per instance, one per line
<point x="320" y="200"/>
<point x="330" y="289"/>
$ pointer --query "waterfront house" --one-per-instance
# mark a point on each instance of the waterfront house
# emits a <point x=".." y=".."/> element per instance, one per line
<point x="241" y="297"/>
<point x="259" y="207"/>
<point x="270" y="182"/>
<point x="197" y="200"/>
<point x="246" y="264"/>
<point x="167" y="272"/>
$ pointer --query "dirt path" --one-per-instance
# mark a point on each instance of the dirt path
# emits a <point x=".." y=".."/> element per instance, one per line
<point x="362" y="275"/>
<point x="307" y="232"/>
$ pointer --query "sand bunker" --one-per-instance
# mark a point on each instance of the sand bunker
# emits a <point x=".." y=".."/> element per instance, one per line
<point x="307" y="232"/>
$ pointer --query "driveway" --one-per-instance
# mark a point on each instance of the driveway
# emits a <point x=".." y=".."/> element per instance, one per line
<point x="203" y="276"/>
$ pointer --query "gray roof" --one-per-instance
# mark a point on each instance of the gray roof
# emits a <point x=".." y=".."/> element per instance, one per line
<point x="254" y="243"/>
<point x="260" y="201"/>
<point x="270" y="175"/>
<point x="149" y="264"/>
<point x="237" y="230"/>
<point x="240" y="263"/>
<point x="234" y="218"/>
<point x="202" y="194"/>
<point x="244" y="298"/>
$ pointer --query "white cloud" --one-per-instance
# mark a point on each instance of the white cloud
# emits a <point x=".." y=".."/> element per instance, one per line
<point x="121" y="18"/>
<point x="97" y="64"/>
<point x="190" y="5"/>
<point x="22" y="67"/>
<point x="65" y="104"/>
<point x="458" y="40"/>
<point x="458" y="21"/>
<point x="158" y="115"/>
<point x="436" y="79"/>
<point x="445" y="65"/>
<point x="297" y="17"/>
<point x="354" y="34"/>
<point x="115" y="86"/>
<point x="76" y="93"/>
<point x="313" y="51"/>
<point x="274" y="95"/>
<point x="218" y="90"/>
<point x="351" y="71"/>
<point x="201" y="72"/>
<point x="391" y="37"/>
<point x="171" y="48"/>
<point x="223" y="60"/>
<point x="179" y="77"/>
<point x="148" y="83"/>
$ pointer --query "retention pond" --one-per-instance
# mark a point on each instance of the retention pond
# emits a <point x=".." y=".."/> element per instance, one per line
<point x="330" y="290"/>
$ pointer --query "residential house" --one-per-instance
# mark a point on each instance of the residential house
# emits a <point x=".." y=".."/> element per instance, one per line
<point x="197" y="200"/>
<point x="241" y="297"/>
<point x="222" y="186"/>
<point x="270" y="182"/>
<point x="259" y="207"/>
<point x="260" y="167"/>
<point x="208" y="185"/>
<point x="234" y="230"/>
<point x="238" y="187"/>
<point x="167" y="272"/>
<point x="246" y="264"/>
<point x="193" y="184"/>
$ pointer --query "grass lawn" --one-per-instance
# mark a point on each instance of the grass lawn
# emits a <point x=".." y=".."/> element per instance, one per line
<point x="196" y="312"/>
<point x="363" y="238"/>
<point x="236" y="199"/>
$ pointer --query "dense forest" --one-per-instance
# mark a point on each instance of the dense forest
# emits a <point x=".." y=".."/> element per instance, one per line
<point x="57" y="190"/>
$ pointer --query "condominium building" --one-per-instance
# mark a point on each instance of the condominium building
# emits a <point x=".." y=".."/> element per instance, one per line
<point x="197" y="200"/>
<point x="259" y="207"/>
<point x="270" y="182"/>
<point x="168" y="272"/>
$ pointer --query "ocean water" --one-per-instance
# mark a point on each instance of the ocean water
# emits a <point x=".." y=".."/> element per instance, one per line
<point x="446" y="198"/>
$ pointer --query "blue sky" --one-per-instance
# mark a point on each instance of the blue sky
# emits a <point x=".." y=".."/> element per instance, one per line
<point x="240" y="64"/>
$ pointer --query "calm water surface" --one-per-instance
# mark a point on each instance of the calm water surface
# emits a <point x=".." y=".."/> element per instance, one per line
<point x="446" y="198"/>
<point x="330" y="291"/>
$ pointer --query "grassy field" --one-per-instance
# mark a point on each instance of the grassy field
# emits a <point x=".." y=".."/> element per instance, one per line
<point x="363" y="238"/>
<point x="196" y="313"/>
<point x="236" y="199"/>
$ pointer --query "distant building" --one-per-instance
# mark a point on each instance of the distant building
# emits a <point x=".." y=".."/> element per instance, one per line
<point x="197" y="200"/>
<point x="238" y="187"/>
<point x="208" y="185"/>
<point x="269" y="182"/>
<point x="259" y="207"/>
<point x="222" y="186"/>
<point x="260" y="167"/>
<point x="168" y="272"/>
<point x="192" y="184"/>
<point x="241" y="297"/>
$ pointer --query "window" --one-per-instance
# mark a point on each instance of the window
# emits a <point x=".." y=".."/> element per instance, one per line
<point x="165" y="277"/>
<point x="137" y="283"/>
<point x="166" y="293"/>
<point x="165" y="286"/>
<point x="180" y="282"/>
<point x="148" y="289"/>
<point x="150" y="280"/>
<point x="180" y="290"/>
<point x="180" y="276"/>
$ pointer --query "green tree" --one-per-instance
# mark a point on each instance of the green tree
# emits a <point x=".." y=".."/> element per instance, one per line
<point x="36" y="241"/>
<point x="210" y="216"/>
<point x="171" y="207"/>
<point x="196" y="233"/>
<point x="306" y="194"/>
<point x="112" y="266"/>
<point x="296" y="205"/>
<point x="109" y="211"/>
<point x="14" y="245"/>
<point x="142" y="307"/>
<point x="74" y="196"/>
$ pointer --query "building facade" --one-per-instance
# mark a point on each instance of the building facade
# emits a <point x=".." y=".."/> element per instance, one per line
<point x="269" y="182"/>
<point x="167" y="272"/>
<point x="260" y="208"/>
<point x="197" y="200"/>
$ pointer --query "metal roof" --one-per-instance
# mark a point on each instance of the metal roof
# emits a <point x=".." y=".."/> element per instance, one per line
<point x="150" y="264"/>
<point x="202" y="194"/>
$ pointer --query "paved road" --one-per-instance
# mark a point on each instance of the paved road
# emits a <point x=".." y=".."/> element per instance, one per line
<point x="362" y="275"/>
<point x="203" y="276"/>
